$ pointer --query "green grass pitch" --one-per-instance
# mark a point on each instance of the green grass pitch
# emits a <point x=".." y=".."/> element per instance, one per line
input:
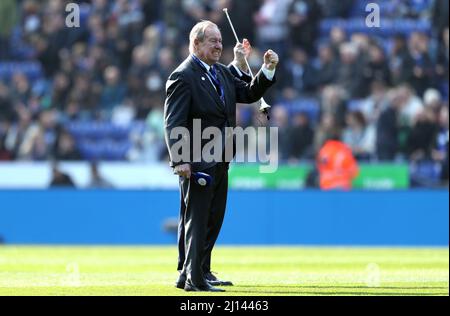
<point x="92" y="270"/>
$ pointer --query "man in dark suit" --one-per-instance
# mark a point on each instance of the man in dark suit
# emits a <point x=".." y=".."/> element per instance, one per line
<point x="201" y="88"/>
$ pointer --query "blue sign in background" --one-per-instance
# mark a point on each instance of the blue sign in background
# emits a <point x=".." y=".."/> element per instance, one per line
<point x="412" y="217"/>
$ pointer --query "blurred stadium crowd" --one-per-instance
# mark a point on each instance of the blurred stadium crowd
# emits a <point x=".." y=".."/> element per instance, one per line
<point x="97" y="92"/>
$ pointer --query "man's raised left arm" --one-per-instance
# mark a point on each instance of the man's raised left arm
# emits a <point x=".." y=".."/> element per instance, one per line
<point x="264" y="79"/>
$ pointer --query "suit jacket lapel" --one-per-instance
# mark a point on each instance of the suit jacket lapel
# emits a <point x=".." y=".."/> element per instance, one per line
<point x="208" y="85"/>
<point x="212" y="91"/>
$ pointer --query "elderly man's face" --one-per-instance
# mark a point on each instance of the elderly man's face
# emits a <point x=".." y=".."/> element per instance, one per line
<point x="210" y="49"/>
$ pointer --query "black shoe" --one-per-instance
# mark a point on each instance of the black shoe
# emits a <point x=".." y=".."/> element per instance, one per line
<point x="211" y="279"/>
<point x="181" y="281"/>
<point x="205" y="288"/>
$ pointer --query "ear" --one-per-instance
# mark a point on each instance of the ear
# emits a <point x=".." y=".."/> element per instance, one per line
<point x="196" y="42"/>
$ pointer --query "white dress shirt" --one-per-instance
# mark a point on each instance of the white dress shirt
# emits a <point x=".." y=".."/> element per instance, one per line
<point x="268" y="73"/>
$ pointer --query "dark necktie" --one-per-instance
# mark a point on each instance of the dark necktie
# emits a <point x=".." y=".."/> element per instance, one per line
<point x="212" y="74"/>
<point x="216" y="82"/>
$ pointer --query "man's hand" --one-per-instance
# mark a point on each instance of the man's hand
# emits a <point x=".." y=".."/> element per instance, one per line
<point x="241" y="52"/>
<point x="183" y="170"/>
<point x="270" y="60"/>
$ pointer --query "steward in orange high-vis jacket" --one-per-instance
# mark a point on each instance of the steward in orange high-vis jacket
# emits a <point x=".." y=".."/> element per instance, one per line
<point x="337" y="166"/>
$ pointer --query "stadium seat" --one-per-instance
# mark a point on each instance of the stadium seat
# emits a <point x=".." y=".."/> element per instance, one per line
<point x="32" y="70"/>
<point x="310" y="106"/>
<point x="425" y="173"/>
<point x="355" y="104"/>
<point x="389" y="27"/>
<point x="98" y="130"/>
<point x="104" y="140"/>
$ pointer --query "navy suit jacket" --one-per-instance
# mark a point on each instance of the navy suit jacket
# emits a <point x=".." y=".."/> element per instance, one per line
<point x="190" y="95"/>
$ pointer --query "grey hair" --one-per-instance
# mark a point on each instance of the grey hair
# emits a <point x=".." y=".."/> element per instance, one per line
<point x="198" y="32"/>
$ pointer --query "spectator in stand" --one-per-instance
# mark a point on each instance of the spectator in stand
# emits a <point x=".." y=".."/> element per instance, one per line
<point x="97" y="180"/>
<point x="326" y="129"/>
<point x="101" y="8"/>
<point x="388" y="130"/>
<point x="38" y="142"/>
<point x="359" y="136"/>
<point x="422" y="136"/>
<point x="73" y="111"/>
<point x="146" y="54"/>
<point x="337" y="9"/>
<point x="165" y="64"/>
<point x="337" y="37"/>
<point x="439" y="14"/>
<point x="303" y="21"/>
<point x="88" y="95"/>
<point x="60" y="90"/>
<point x="350" y="71"/>
<point x="300" y="137"/>
<point x="137" y="77"/>
<point x="7" y="113"/>
<point x="400" y="61"/>
<point x="333" y="102"/>
<point x="59" y="178"/>
<point x="327" y="66"/>
<point x="153" y="11"/>
<point x="18" y="131"/>
<point x="8" y="20"/>
<point x="66" y="148"/>
<point x="432" y="99"/>
<point x="363" y="44"/>
<point x="272" y="28"/>
<point x="440" y="149"/>
<point x="299" y="74"/>
<point x="114" y="90"/>
<point x="154" y="82"/>
<point x="21" y="89"/>
<point x="128" y="34"/>
<point x="5" y="154"/>
<point x="281" y="120"/>
<point x="412" y="105"/>
<point x="422" y="66"/>
<point x="442" y="58"/>
<point x="38" y="149"/>
<point x="141" y="62"/>
<point x="375" y="103"/>
<point x="193" y="11"/>
<point x="52" y="38"/>
<point x="377" y="68"/>
<point x="97" y="59"/>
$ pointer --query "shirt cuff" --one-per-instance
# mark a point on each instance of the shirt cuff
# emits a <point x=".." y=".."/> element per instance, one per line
<point x="268" y="73"/>
<point x="240" y="72"/>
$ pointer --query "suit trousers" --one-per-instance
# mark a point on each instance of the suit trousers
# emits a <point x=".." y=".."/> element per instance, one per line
<point x="201" y="216"/>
